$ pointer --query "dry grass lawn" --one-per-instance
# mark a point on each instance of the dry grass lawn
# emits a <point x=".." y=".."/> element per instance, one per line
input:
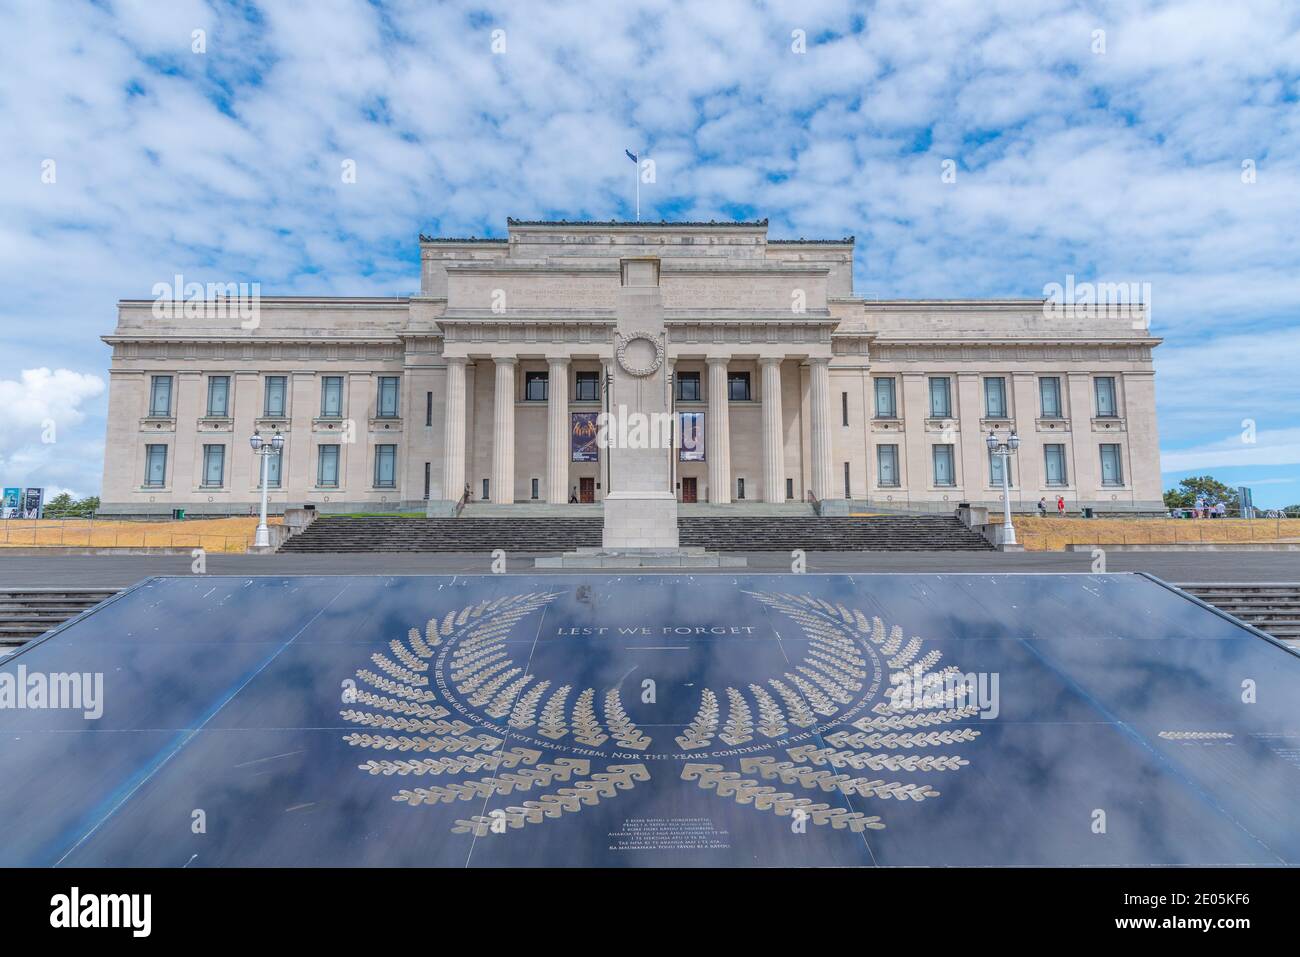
<point x="210" y="534"/>
<point x="1053" y="534"/>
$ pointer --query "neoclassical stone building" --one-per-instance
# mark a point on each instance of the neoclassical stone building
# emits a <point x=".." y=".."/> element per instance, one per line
<point x="786" y="385"/>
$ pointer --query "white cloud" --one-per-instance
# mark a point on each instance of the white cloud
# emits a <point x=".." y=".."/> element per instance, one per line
<point x="225" y="166"/>
<point x="42" y="441"/>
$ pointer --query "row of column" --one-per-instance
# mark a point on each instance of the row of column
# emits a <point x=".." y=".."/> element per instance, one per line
<point x="718" y="431"/>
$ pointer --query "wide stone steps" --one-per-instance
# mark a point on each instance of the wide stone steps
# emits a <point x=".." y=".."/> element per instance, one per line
<point x="728" y="534"/>
<point x="1273" y="607"/>
<point x="27" y="613"/>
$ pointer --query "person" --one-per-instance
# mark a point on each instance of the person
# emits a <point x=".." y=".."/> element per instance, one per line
<point x="1198" y="508"/>
<point x="1060" y="505"/>
<point x="1042" y="507"/>
<point x="573" y="496"/>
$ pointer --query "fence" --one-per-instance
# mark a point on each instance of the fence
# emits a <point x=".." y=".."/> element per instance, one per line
<point x="90" y="533"/>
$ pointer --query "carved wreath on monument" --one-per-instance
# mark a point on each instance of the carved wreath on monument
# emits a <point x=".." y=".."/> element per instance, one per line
<point x="622" y="343"/>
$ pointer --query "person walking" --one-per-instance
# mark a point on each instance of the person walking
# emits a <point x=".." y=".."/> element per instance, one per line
<point x="1060" y="506"/>
<point x="1042" y="507"/>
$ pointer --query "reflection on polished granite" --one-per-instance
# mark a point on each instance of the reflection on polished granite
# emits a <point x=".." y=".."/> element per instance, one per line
<point x="649" y="721"/>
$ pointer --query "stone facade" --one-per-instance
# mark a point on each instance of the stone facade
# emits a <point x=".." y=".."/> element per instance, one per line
<point x="805" y="389"/>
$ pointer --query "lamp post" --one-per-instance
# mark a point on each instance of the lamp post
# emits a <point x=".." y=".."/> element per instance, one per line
<point x="264" y="450"/>
<point x="1005" y="450"/>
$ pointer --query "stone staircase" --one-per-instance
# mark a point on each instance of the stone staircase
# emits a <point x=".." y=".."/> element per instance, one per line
<point x="715" y="532"/>
<point x="27" y="613"/>
<point x="1273" y="607"/>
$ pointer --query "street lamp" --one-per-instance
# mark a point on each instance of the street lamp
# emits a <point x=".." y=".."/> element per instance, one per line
<point x="265" y="450"/>
<point x="1005" y="450"/>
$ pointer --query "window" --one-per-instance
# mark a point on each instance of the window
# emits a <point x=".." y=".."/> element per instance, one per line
<point x="428" y="409"/>
<point x="327" y="466"/>
<point x="331" y="397"/>
<point x="535" y="386"/>
<point x="995" y="397"/>
<point x="848" y="487"/>
<point x="940" y="397"/>
<point x="587" y="388"/>
<point x="944" y="474"/>
<point x="996" y="465"/>
<point x="1112" y="469"/>
<point x="886" y="407"/>
<point x="273" y="406"/>
<point x="486" y="488"/>
<point x="219" y="396"/>
<point x="738" y="386"/>
<point x="887" y="466"/>
<point x="155" y="466"/>
<point x="536" y="483"/>
<point x="272" y="471"/>
<point x="688" y="387"/>
<point x="160" y="395"/>
<point x="214" y="466"/>
<point x="1106" y="396"/>
<point x="428" y="478"/>
<point x="789" y="489"/>
<point x="1049" y="391"/>
<point x="1055" y="464"/>
<point x="386" y="407"/>
<point x="385" y="466"/>
<point x="740" y="488"/>
<point x="844" y="408"/>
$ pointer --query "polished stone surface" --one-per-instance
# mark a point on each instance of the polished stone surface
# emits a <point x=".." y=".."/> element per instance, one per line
<point x="656" y="720"/>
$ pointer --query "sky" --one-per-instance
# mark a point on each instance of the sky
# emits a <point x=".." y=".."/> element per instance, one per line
<point x="1143" y="142"/>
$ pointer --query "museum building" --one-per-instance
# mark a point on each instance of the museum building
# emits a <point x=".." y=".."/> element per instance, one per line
<point x="786" y="387"/>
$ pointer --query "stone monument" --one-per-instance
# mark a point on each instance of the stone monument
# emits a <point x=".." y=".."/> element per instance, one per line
<point x="640" y="504"/>
<point x="640" y="433"/>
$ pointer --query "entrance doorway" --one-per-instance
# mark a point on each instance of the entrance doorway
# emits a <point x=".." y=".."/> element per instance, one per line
<point x="586" y="490"/>
<point x="688" y="489"/>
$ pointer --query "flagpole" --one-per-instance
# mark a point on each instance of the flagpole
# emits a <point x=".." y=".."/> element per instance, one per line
<point x="638" y="186"/>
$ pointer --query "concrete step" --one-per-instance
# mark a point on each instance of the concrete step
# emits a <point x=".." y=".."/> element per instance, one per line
<point x="1272" y="607"/>
<point x="27" y="613"/>
<point x="717" y="532"/>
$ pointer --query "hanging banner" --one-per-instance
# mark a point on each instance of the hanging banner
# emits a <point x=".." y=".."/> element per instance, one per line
<point x="692" y="430"/>
<point x="582" y="436"/>
<point x="33" y="499"/>
<point x="12" y="501"/>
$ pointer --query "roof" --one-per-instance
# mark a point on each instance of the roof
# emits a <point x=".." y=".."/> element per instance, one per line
<point x="461" y="239"/>
<point x="845" y="241"/>
<point x="664" y="223"/>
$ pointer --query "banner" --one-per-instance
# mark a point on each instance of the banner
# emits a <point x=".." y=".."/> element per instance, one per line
<point x="33" y="499"/>
<point x="692" y="429"/>
<point x="12" y="501"/>
<point x="582" y="436"/>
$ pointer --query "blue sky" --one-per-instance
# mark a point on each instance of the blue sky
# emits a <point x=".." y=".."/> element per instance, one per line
<point x="1117" y="161"/>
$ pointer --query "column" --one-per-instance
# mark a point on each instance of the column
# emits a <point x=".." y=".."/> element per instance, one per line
<point x="503" y="432"/>
<point x="717" y="447"/>
<point x="773" y="433"/>
<point x="453" y="449"/>
<point x="557" y="430"/>
<point x="820" y="399"/>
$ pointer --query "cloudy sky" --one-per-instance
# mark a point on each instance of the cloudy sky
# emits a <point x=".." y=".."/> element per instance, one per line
<point x="1164" y="150"/>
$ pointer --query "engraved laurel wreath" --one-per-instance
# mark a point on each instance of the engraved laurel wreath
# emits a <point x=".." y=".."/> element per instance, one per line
<point x="621" y="342"/>
<point x="835" y="691"/>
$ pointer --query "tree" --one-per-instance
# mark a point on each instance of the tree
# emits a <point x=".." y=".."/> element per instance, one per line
<point x="63" y="506"/>
<point x="60" y="506"/>
<point x="1202" y="486"/>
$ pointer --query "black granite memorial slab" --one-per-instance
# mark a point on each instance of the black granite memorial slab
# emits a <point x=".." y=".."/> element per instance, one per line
<point x="651" y="721"/>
